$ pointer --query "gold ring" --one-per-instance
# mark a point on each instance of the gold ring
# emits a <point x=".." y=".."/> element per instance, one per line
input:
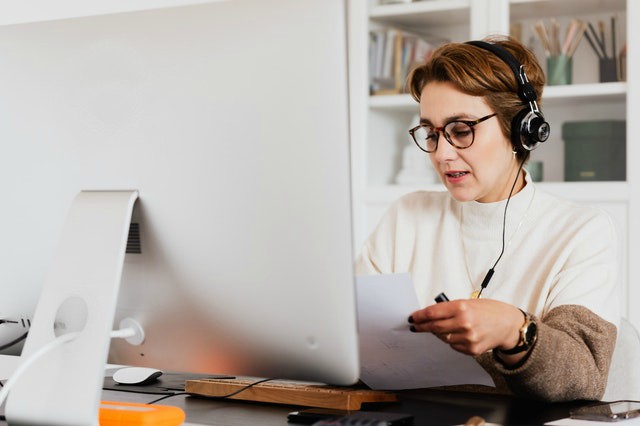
<point x="447" y="337"/>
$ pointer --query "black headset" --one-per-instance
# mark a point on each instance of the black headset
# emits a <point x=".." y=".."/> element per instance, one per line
<point x="528" y="127"/>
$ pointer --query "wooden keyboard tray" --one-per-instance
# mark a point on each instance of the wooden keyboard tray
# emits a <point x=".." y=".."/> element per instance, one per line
<point x="279" y="392"/>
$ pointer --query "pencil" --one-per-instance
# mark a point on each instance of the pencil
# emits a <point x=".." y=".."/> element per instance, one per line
<point x="591" y="42"/>
<point x="601" y="41"/>
<point x="542" y="33"/>
<point x="571" y="30"/>
<point x="577" y="38"/>
<point x="613" y="37"/>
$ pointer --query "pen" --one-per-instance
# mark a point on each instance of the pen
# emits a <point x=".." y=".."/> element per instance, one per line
<point x="613" y="38"/>
<point x="441" y="298"/>
<point x="594" y="41"/>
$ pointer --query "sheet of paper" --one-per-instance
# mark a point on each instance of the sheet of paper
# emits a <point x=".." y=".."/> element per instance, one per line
<point x="391" y="356"/>
<point x="576" y="422"/>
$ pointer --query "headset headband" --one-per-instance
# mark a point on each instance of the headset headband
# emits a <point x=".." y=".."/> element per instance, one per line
<point x="526" y="92"/>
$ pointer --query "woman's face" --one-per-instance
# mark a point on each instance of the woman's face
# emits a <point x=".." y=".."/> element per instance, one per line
<point x="483" y="172"/>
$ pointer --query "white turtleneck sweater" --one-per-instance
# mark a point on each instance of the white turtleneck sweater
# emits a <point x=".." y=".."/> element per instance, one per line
<point x="558" y="255"/>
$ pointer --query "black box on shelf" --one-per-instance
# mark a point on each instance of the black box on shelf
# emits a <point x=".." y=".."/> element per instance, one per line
<point x="595" y="150"/>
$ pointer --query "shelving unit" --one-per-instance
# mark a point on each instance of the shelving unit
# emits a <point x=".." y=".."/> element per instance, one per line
<point x="380" y="123"/>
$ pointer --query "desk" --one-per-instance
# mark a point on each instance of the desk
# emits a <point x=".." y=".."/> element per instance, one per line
<point x="429" y="407"/>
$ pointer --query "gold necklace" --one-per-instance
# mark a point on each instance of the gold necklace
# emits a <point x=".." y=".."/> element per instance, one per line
<point x="475" y="294"/>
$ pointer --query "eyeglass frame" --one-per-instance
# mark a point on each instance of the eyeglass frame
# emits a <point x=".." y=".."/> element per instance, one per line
<point x="438" y="130"/>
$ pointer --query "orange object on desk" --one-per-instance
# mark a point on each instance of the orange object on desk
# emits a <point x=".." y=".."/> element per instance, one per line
<point x="134" y="414"/>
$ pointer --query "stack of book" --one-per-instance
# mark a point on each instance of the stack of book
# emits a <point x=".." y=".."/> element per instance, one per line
<point x="393" y="53"/>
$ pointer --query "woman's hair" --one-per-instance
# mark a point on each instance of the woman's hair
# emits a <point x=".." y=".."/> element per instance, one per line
<point x="478" y="72"/>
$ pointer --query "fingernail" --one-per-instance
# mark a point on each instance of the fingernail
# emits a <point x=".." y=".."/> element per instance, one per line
<point x="410" y="320"/>
<point x="412" y="329"/>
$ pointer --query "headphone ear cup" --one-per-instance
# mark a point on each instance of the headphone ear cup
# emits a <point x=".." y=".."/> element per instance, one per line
<point x="528" y="129"/>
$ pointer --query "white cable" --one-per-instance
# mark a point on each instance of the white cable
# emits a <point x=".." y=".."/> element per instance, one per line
<point x="24" y="365"/>
<point x="123" y="333"/>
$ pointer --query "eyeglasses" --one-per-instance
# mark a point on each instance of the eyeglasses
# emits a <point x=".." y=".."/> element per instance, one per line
<point x="458" y="133"/>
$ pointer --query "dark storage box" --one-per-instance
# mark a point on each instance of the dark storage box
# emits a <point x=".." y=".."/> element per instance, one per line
<point x="594" y="150"/>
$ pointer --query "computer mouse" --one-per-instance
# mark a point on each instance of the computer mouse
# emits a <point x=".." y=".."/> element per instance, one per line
<point x="136" y="375"/>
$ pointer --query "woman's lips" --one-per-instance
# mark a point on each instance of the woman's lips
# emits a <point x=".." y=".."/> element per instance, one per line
<point x="456" y="176"/>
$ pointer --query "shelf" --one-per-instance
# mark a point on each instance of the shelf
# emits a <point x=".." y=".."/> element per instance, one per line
<point x="394" y="102"/>
<point x="616" y="91"/>
<point x="423" y="13"/>
<point x="536" y="9"/>
<point x="576" y="191"/>
<point x="553" y="95"/>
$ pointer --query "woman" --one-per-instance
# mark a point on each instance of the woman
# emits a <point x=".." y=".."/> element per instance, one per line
<point x="545" y="323"/>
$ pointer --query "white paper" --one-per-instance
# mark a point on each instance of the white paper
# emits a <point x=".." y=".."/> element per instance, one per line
<point x="576" y="422"/>
<point x="391" y="356"/>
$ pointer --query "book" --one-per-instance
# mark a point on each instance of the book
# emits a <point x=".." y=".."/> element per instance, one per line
<point x="393" y="54"/>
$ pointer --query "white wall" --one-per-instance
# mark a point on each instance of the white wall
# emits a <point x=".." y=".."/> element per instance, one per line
<point x="22" y="11"/>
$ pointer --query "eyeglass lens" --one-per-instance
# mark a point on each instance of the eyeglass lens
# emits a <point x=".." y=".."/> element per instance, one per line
<point x="459" y="134"/>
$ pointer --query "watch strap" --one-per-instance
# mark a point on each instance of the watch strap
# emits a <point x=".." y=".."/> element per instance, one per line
<point x="522" y="345"/>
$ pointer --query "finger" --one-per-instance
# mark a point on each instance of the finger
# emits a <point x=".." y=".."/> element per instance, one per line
<point x="444" y="326"/>
<point x="434" y="312"/>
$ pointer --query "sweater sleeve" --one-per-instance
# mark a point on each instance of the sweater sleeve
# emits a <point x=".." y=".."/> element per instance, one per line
<point x="570" y="359"/>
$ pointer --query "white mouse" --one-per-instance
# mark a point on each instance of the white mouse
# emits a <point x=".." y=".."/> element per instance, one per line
<point x="136" y="375"/>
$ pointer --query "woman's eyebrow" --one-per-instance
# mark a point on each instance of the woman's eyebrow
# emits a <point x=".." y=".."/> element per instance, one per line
<point x="424" y="120"/>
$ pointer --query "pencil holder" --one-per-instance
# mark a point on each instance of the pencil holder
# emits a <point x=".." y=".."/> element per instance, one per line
<point x="559" y="70"/>
<point x="608" y="71"/>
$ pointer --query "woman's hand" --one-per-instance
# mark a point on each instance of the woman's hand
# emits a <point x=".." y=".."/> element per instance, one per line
<point x="472" y="326"/>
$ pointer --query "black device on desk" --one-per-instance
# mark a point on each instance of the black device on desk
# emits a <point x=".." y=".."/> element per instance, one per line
<point x="608" y="412"/>
<point x="320" y="416"/>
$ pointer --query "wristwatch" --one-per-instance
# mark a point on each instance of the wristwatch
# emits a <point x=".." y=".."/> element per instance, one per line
<point x="528" y="335"/>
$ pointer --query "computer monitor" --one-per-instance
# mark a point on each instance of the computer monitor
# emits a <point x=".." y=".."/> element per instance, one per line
<point x="231" y="121"/>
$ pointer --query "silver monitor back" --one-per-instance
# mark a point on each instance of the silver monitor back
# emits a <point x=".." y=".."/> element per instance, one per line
<point x="231" y="120"/>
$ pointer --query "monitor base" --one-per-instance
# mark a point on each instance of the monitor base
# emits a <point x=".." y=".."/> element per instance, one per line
<point x="79" y="295"/>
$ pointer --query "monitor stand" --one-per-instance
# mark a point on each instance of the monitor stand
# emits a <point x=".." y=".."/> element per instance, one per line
<point x="79" y="295"/>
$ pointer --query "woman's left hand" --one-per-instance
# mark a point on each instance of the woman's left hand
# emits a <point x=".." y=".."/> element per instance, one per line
<point x="471" y="326"/>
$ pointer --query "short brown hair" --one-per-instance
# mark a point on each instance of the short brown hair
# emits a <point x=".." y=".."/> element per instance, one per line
<point x="478" y="72"/>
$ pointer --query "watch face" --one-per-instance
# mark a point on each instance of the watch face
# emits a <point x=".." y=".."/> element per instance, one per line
<point x="530" y="334"/>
